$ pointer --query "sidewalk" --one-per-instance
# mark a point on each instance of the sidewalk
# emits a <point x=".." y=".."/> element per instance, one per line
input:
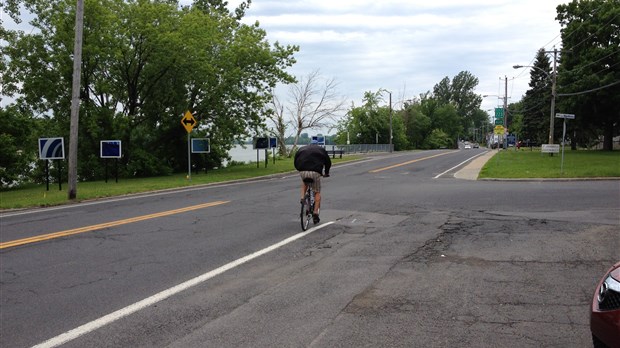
<point x="471" y="170"/>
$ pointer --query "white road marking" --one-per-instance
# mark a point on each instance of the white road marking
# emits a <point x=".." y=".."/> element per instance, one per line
<point x="460" y="164"/>
<point x="149" y="301"/>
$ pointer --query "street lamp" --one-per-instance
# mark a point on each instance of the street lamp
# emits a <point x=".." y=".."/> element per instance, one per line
<point x="553" y="81"/>
<point x="390" y="93"/>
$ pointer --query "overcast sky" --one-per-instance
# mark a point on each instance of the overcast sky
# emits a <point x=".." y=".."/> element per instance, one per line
<point x="408" y="46"/>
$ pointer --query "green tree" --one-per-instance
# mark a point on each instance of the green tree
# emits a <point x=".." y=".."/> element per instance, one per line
<point x="417" y="124"/>
<point x="589" y="74"/>
<point x="438" y="139"/>
<point x="19" y="146"/>
<point x="537" y="100"/>
<point x="370" y="123"/>
<point x="460" y="92"/>
<point x="515" y="122"/>
<point x="446" y="119"/>
<point x="145" y="63"/>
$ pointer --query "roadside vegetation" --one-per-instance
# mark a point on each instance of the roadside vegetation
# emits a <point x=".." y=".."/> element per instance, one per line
<point x="36" y="195"/>
<point x="138" y="81"/>
<point x="528" y="163"/>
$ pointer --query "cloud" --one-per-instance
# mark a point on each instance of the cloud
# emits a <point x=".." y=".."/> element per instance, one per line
<point x="368" y="45"/>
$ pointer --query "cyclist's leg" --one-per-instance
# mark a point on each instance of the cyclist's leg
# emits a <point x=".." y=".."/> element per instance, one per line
<point x="317" y="193"/>
<point x="304" y="187"/>
<point x="317" y="202"/>
<point x="303" y="191"/>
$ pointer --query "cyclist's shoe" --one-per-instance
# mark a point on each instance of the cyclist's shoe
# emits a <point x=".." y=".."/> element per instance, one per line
<point x="315" y="218"/>
<point x="302" y="201"/>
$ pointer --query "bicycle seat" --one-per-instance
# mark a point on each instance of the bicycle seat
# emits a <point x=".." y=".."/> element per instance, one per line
<point x="308" y="180"/>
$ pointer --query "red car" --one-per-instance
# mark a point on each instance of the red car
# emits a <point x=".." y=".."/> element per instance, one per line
<point x="605" y="314"/>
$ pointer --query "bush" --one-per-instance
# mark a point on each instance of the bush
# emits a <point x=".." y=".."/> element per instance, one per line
<point x="144" y="164"/>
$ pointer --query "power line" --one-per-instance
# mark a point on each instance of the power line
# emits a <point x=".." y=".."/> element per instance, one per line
<point x="591" y="34"/>
<point x="589" y="91"/>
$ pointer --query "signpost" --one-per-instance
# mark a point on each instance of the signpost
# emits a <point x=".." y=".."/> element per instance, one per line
<point x="110" y="149"/>
<point x="52" y="149"/>
<point x="259" y="144"/>
<point x="189" y="122"/>
<point x="201" y="145"/>
<point x="273" y="143"/>
<point x="550" y="148"/>
<point x="564" y="116"/>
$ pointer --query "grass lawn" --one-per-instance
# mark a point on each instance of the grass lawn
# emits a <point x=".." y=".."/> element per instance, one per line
<point x="533" y="164"/>
<point x="37" y="195"/>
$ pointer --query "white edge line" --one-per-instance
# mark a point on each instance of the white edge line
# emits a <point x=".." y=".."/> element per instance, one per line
<point x="149" y="301"/>
<point x="460" y="164"/>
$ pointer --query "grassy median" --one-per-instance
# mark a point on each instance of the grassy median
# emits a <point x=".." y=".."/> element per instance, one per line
<point x="527" y="163"/>
<point x="38" y="196"/>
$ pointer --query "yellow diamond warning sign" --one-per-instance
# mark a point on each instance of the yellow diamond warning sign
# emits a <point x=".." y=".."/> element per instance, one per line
<point x="188" y="121"/>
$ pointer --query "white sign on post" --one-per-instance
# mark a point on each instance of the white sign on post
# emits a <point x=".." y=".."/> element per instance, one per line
<point x="550" y="148"/>
<point x="565" y="116"/>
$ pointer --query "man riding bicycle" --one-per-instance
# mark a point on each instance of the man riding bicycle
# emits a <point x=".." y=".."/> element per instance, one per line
<point x="310" y="161"/>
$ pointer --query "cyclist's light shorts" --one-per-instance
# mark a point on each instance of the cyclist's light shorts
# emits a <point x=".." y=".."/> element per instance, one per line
<point x="316" y="186"/>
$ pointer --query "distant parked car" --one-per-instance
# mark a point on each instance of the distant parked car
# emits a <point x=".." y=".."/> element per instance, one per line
<point x="605" y="313"/>
<point x="468" y="146"/>
<point x="476" y="146"/>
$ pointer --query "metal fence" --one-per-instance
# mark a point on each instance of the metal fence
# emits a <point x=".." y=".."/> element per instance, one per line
<point x="357" y="148"/>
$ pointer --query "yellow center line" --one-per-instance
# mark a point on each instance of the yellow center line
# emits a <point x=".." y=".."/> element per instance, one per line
<point x="408" y="162"/>
<point x="105" y="225"/>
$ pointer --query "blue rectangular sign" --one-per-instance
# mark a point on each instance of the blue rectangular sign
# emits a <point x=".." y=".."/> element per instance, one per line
<point x="110" y="149"/>
<point x="273" y="142"/>
<point x="261" y="143"/>
<point x="200" y="145"/>
<point x="51" y="148"/>
<point x="319" y="139"/>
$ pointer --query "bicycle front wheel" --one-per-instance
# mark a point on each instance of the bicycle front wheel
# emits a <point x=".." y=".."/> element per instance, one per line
<point x="305" y="215"/>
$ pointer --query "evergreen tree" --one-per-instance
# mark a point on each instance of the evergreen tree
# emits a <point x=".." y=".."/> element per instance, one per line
<point x="537" y="101"/>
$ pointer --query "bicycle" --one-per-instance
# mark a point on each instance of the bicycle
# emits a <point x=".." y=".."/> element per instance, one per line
<point x="307" y="207"/>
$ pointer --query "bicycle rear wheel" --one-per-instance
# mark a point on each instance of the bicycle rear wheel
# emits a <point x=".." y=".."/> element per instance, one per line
<point x="306" y="214"/>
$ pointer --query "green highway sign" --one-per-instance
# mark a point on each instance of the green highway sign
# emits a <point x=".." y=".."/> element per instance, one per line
<point x="499" y="112"/>
<point x="499" y="122"/>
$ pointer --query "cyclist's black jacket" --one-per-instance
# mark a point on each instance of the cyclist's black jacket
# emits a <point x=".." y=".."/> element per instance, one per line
<point x="312" y="158"/>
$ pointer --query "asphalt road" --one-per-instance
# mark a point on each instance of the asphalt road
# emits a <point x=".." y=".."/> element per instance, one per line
<point x="403" y="257"/>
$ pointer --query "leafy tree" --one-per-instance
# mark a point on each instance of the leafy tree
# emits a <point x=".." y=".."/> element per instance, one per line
<point x="417" y="124"/>
<point x="589" y="73"/>
<point x="370" y="123"/>
<point x="515" y="122"/>
<point x="19" y="146"/>
<point x="446" y="119"/>
<point x="438" y="139"/>
<point x="146" y="62"/>
<point x="460" y="93"/>
<point x="481" y="123"/>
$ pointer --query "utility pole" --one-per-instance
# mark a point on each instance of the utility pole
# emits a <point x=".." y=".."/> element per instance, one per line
<point x="505" y="112"/>
<point x="390" y="121"/>
<point x="75" y="99"/>
<point x="553" y="82"/>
